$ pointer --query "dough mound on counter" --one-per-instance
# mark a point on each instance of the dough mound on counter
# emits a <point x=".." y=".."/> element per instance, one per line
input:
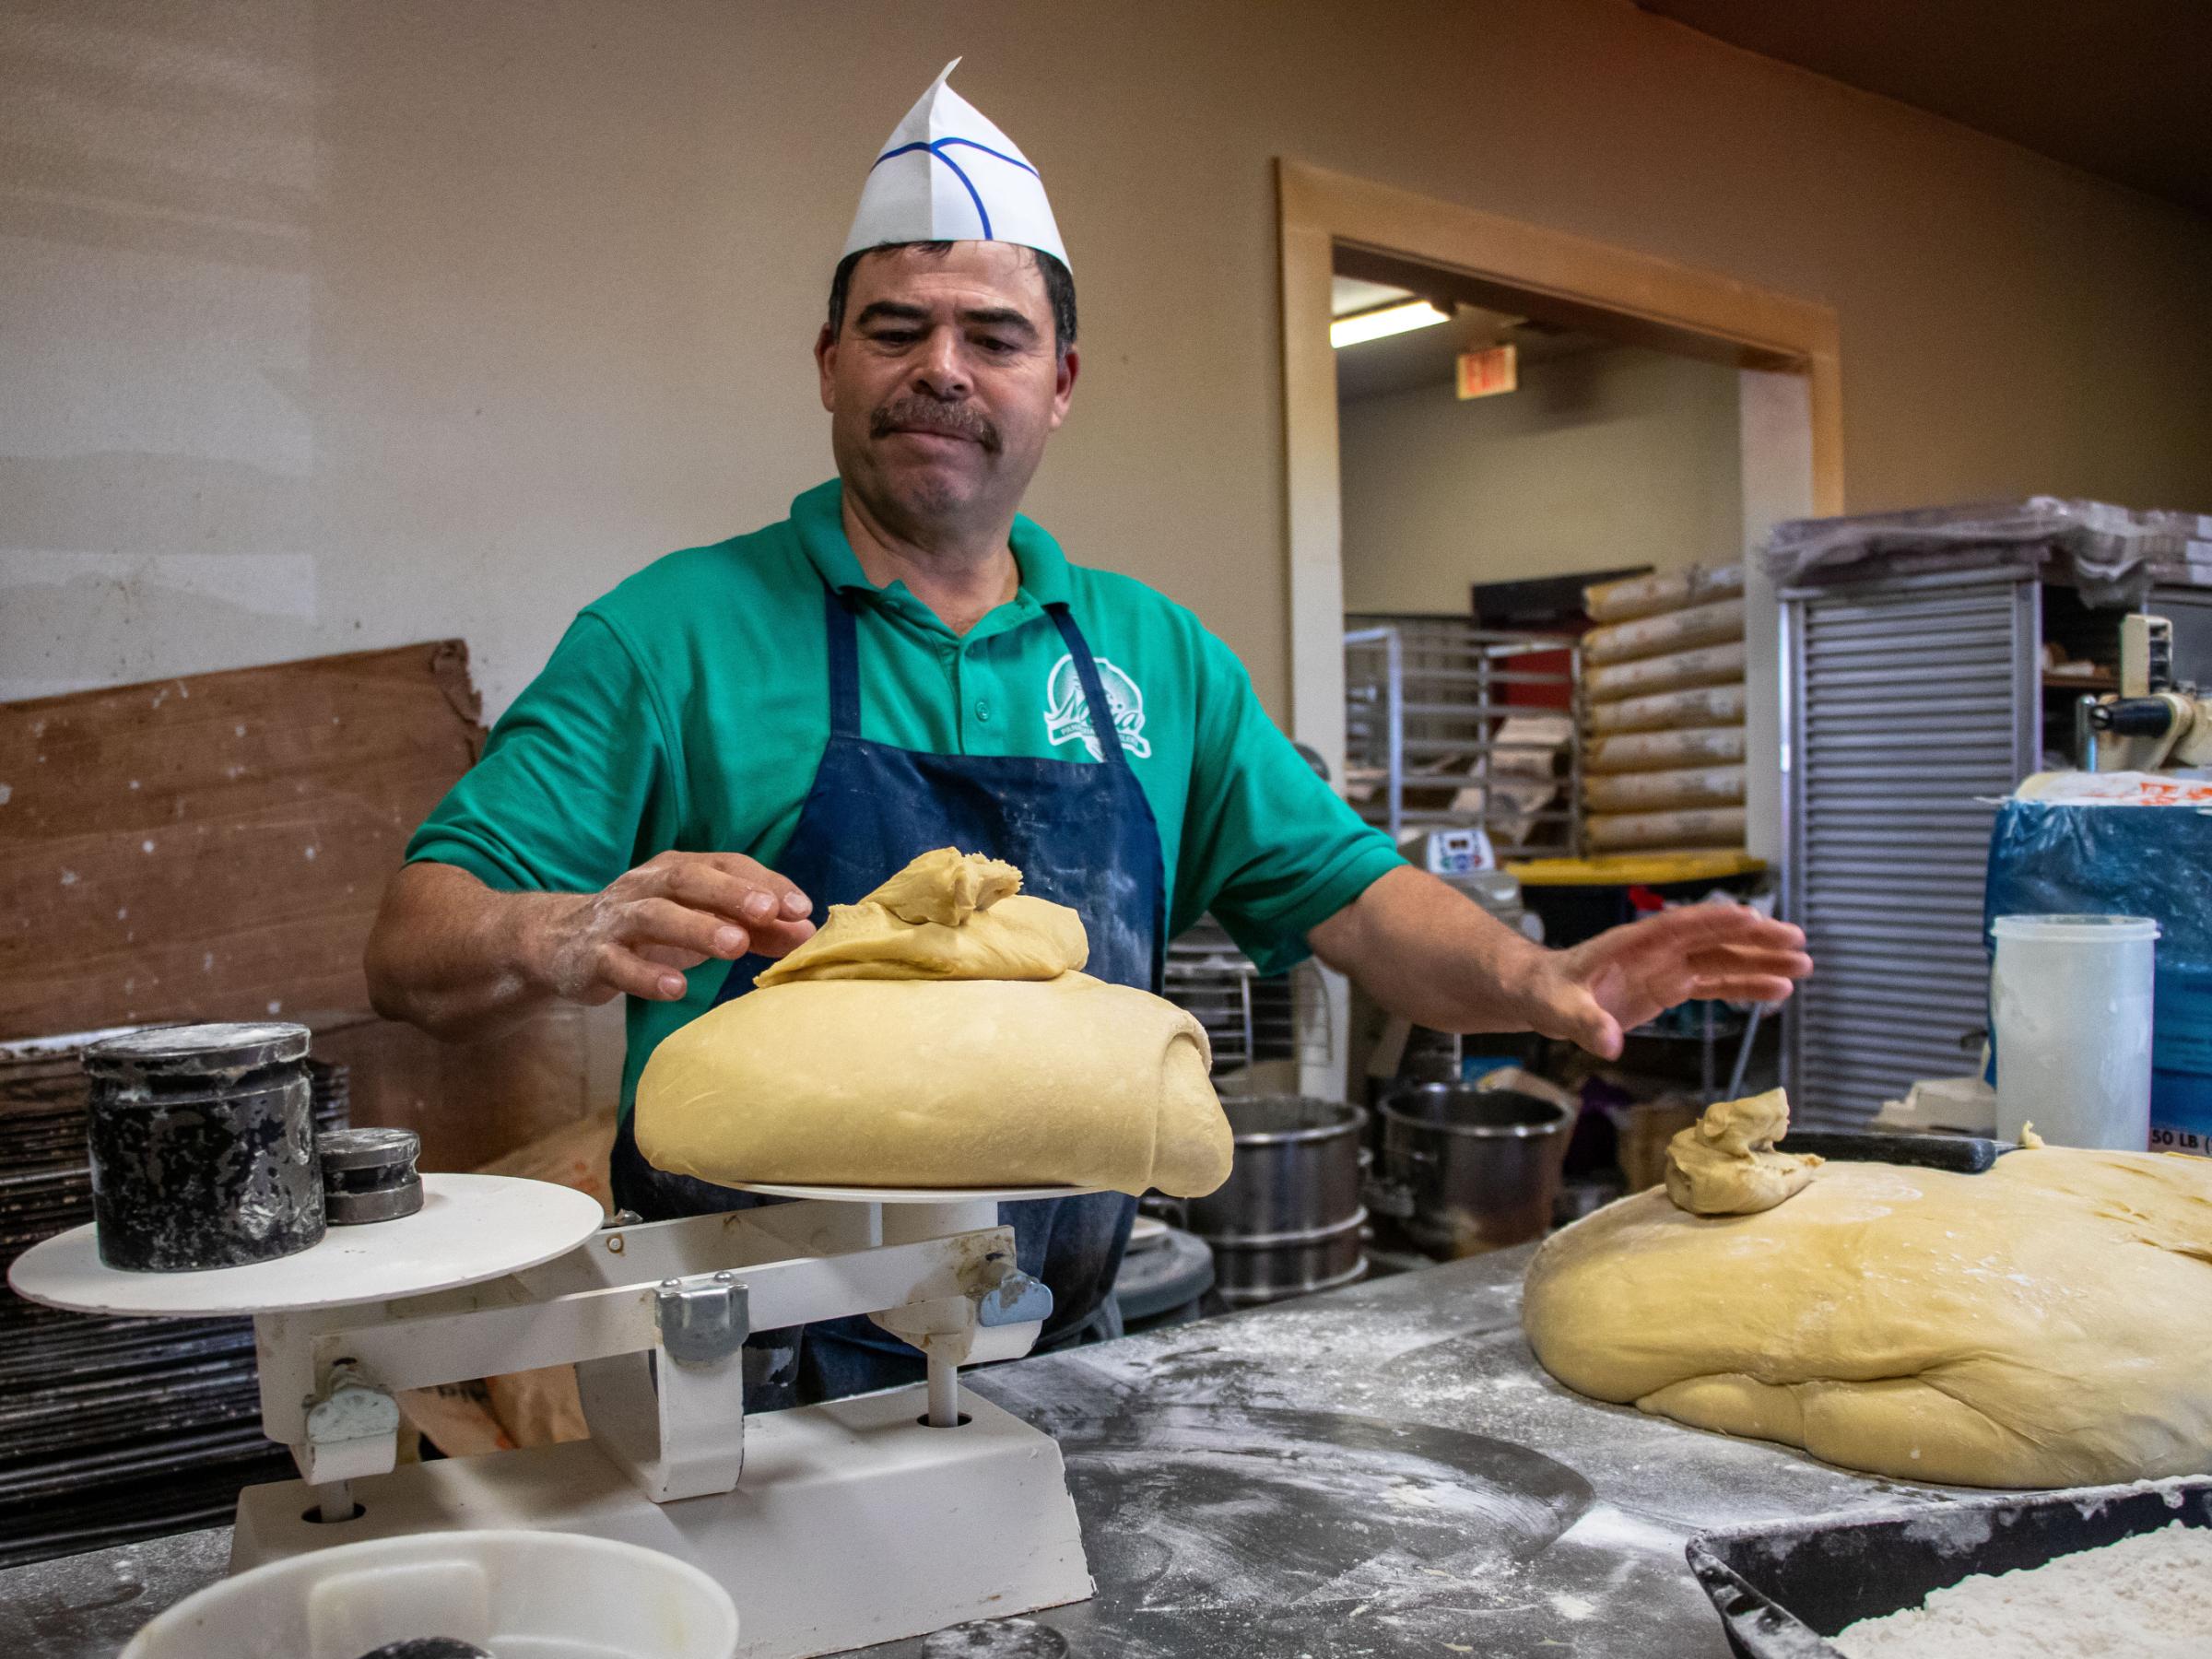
<point x="2045" y="1324"/>
<point x="938" y="1034"/>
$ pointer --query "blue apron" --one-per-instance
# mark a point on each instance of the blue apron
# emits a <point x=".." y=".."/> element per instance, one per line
<point x="1082" y="835"/>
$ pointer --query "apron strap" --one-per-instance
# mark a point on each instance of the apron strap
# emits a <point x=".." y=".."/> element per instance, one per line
<point x="1094" y="688"/>
<point x="843" y="638"/>
<point x="844" y="664"/>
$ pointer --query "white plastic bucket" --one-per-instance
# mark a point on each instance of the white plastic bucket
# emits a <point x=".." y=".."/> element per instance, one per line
<point x="517" y="1594"/>
<point x="2071" y="999"/>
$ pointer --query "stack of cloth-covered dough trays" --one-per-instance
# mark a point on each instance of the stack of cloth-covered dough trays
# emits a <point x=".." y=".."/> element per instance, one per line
<point x="111" y="1427"/>
<point x="1663" y="683"/>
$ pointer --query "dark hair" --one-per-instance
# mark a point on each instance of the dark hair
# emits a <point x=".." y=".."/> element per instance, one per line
<point x="1059" y="287"/>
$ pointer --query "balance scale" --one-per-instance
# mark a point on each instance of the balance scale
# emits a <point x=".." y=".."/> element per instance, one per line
<point x="833" y="1526"/>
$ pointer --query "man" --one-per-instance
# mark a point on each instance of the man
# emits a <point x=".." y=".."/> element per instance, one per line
<point x="743" y="734"/>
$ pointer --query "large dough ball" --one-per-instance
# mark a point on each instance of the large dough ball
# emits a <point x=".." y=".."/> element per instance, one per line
<point x="2046" y="1324"/>
<point x="878" y="1082"/>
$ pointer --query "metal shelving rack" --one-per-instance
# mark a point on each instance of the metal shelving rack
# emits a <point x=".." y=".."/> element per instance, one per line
<point x="1247" y="1019"/>
<point x="1424" y="706"/>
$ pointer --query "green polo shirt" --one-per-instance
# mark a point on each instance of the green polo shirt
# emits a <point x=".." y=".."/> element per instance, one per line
<point x="688" y="709"/>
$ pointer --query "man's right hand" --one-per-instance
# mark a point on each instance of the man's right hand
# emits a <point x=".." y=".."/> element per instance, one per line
<point x="672" y="912"/>
<point x="463" y="960"/>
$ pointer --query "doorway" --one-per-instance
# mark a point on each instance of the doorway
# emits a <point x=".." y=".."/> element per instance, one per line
<point x="1504" y="275"/>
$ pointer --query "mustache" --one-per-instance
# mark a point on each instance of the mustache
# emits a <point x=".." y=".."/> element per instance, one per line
<point x="914" y="414"/>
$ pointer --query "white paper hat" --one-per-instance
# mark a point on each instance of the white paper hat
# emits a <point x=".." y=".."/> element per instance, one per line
<point x="947" y="174"/>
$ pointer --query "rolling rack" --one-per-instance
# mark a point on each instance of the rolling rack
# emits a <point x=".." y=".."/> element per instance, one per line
<point x="1427" y="699"/>
<point x="1249" y="1019"/>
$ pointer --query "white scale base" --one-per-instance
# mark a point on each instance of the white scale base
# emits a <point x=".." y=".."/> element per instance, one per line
<point x="855" y="1523"/>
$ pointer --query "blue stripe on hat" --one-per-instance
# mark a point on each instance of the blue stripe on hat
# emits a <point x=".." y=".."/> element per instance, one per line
<point x="937" y="149"/>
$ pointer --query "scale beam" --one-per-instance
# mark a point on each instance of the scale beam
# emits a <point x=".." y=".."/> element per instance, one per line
<point x="451" y="1339"/>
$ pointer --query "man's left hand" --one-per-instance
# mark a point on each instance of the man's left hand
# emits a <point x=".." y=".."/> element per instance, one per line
<point x="1592" y="993"/>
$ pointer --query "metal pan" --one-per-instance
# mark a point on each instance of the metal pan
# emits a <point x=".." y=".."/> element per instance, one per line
<point x="1781" y="1589"/>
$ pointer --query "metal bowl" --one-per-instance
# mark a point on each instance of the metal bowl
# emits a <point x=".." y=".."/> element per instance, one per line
<point x="1477" y="1169"/>
<point x="1288" y="1220"/>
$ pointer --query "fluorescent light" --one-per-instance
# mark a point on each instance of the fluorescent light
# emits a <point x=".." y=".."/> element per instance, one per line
<point x="1378" y="324"/>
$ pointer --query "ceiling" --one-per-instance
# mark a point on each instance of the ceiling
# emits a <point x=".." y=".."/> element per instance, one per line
<point x="2117" y="88"/>
<point x="1425" y="356"/>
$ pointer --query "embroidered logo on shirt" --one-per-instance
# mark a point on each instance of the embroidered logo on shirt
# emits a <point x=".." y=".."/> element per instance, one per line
<point x="1067" y="711"/>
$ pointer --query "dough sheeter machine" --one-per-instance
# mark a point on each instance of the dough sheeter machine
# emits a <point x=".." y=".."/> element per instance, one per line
<point x="833" y="1526"/>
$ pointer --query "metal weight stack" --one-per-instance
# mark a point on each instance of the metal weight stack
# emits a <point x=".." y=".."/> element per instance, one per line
<point x="110" y="1427"/>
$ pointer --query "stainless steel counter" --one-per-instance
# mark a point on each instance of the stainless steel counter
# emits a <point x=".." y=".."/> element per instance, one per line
<point x="1378" y="1471"/>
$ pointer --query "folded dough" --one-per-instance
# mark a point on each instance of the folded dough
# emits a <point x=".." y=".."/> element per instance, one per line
<point x="2043" y="1324"/>
<point x="938" y="1034"/>
<point x="1017" y="939"/>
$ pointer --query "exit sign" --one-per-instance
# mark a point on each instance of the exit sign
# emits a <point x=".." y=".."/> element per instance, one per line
<point x="1486" y="373"/>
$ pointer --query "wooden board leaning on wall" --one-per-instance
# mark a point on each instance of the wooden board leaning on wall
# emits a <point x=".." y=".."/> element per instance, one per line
<point x="215" y="847"/>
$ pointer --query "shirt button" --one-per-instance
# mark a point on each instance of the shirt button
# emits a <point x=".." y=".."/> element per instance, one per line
<point x="982" y="710"/>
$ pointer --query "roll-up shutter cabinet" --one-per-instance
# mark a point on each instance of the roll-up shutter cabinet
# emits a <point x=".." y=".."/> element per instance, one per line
<point x="1909" y="708"/>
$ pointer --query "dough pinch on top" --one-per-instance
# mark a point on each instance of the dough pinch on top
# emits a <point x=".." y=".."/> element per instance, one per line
<point x="948" y="915"/>
<point x="1724" y="1164"/>
<point x="947" y="886"/>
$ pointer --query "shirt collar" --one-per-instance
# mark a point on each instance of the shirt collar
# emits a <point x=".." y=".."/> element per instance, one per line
<point x="818" y="516"/>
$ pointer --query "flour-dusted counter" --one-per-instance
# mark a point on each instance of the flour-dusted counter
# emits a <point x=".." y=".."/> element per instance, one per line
<point x="1378" y="1471"/>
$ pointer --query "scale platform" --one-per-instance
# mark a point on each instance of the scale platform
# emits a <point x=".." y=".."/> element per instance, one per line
<point x="470" y="1228"/>
<point x="833" y="1526"/>
<point x="875" y="1194"/>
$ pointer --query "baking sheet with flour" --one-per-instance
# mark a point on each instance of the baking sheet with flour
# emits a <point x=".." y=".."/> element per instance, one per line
<point x="2148" y="1596"/>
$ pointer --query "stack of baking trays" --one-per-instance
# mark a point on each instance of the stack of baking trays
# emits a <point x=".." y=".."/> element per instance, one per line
<point x="110" y="1428"/>
<point x="1663" y="690"/>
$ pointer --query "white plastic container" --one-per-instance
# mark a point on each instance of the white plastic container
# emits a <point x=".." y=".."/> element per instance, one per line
<point x="517" y="1594"/>
<point x="2071" y="999"/>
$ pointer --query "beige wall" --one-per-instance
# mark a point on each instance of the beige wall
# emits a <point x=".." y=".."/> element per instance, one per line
<point x="1599" y="460"/>
<point x="335" y="324"/>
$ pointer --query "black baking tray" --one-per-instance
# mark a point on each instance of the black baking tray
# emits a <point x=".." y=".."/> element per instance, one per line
<point x="1960" y="1154"/>
<point x="1781" y="1589"/>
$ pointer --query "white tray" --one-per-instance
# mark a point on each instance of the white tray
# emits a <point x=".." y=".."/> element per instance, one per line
<point x="470" y="1228"/>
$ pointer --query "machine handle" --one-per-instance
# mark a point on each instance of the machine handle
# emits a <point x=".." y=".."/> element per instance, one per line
<point x="2134" y="717"/>
<point x="1017" y="1298"/>
<point x="1387" y="1197"/>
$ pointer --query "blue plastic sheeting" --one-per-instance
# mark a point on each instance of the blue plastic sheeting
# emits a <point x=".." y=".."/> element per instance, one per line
<point x="2049" y="859"/>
